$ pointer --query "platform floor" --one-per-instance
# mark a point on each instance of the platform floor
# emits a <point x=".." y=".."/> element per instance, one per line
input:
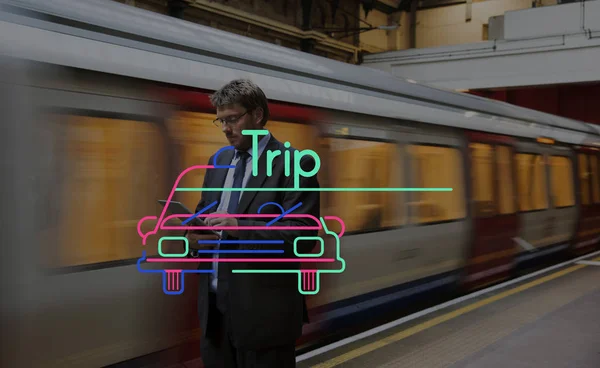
<point x="551" y="320"/>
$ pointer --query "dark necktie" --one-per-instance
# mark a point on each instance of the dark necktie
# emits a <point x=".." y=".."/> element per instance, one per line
<point x="238" y="181"/>
<point x="222" y="270"/>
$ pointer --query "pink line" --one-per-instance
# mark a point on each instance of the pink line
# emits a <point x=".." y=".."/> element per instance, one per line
<point x="170" y="197"/>
<point x="313" y="227"/>
<point x="256" y="215"/>
<point x="274" y="260"/>
<point x="139" y="224"/>
<point x="338" y="220"/>
<point x="243" y="215"/>
<point x="162" y="214"/>
<point x="244" y="228"/>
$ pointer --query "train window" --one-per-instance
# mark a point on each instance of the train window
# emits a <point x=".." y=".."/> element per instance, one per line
<point x="506" y="203"/>
<point x="531" y="182"/>
<point x="114" y="172"/>
<point x="584" y="178"/>
<point x="594" y="174"/>
<point x="364" y="164"/>
<point x="562" y="182"/>
<point x="437" y="167"/>
<point x="195" y="139"/>
<point x="482" y="156"/>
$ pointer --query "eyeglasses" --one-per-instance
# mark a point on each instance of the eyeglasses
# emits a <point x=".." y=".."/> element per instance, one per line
<point x="230" y="120"/>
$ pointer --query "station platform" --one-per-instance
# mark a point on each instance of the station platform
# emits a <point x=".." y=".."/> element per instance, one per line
<point x="548" y="319"/>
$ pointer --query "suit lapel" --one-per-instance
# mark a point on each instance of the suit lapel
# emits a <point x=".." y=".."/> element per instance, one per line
<point x="219" y="175"/>
<point x="258" y="181"/>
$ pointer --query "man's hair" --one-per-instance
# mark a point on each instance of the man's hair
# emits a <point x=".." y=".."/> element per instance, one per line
<point x="243" y="92"/>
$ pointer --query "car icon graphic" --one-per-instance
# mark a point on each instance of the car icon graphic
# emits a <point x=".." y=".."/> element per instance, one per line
<point x="308" y="274"/>
<point x="311" y="264"/>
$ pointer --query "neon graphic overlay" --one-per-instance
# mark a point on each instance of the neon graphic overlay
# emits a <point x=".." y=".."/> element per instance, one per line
<point x="276" y="251"/>
<point x="164" y="210"/>
<point x="173" y="280"/>
<point x="308" y="279"/>
<point x="237" y="260"/>
<point x="317" y="225"/>
<point x="298" y="171"/>
<point x="199" y="213"/>
<point x="315" y="189"/>
<point x="283" y="214"/>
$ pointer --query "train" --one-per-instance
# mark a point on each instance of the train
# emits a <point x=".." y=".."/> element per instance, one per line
<point x="104" y="105"/>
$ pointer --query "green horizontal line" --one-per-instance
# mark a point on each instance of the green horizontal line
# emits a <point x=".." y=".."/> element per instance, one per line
<point x="314" y="189"/>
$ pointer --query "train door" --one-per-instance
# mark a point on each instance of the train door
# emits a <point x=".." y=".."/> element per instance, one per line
<point x="588" y="227"/>
<point x="562" y="214"/>
<point x="541" y="209"/>
<point x="494" y="210"/>
<point x="373" y="246"/>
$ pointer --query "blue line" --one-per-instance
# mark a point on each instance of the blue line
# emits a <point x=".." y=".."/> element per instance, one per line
<point x="268" y="203"/>
<point x="240" y="241"/>
<point x="240" y="251"/>
<point x="199" y="213"/>
<point x="217" y="155"/>
<point x="283" y="214"/>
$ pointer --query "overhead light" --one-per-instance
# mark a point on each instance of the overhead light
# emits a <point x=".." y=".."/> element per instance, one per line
<point x="391" y="27"/>
<point x="545" y="140"/>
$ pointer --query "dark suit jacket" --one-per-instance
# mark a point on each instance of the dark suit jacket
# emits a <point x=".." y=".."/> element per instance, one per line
<point x="265" y="309"/>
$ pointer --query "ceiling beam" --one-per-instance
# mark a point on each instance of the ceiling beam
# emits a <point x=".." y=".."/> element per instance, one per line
<point x="385" y="8"/>
<point x="430" y="4"/>
<point x="379" y="6"/>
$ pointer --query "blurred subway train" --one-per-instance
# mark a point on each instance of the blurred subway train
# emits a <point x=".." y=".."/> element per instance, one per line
<point x="103" y="105"/>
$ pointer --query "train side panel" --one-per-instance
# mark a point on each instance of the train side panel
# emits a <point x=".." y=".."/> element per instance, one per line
<point x="107" y="158"/>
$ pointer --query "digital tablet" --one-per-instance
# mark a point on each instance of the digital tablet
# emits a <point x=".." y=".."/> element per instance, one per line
<point x="178" y="208"/>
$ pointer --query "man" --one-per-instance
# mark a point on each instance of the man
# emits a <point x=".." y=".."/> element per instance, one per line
<point x="252" y="319"/>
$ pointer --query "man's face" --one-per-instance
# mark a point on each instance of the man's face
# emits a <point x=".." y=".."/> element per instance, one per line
<point x="236" y="119"/>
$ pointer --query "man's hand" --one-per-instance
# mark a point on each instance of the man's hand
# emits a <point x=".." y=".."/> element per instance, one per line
<point x="193" y="238"/>
<point x="223" y="221"/>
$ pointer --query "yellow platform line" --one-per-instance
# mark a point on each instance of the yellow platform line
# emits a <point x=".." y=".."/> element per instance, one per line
<point x="441" y="319"/>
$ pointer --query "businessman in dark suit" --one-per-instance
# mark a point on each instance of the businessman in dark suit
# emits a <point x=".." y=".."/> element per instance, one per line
<point x="252" y="319"/>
